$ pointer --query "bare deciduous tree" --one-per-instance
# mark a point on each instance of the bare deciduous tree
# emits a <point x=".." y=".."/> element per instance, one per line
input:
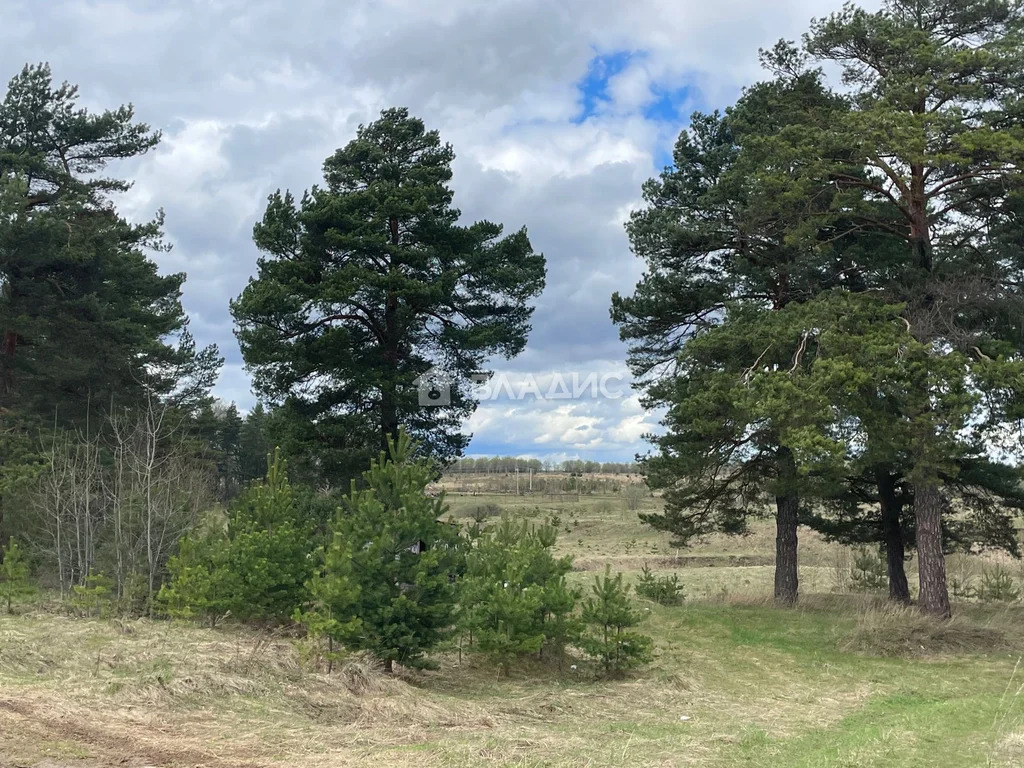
<point x="68" y="509"/>
<point x="120" y="503"/>
<point x="157" y="492"/>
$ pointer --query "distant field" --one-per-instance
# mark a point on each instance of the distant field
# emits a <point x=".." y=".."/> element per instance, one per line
<point x="598" y="529"/>
<point x="839" y="682"/>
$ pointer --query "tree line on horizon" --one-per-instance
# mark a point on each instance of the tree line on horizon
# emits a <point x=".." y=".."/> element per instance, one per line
<point x="512" y="464"/>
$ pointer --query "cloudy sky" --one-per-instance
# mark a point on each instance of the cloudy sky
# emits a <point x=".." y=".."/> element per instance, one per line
<point x="558" y="111"/>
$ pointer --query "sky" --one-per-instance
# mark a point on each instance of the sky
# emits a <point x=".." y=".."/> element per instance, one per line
<point x="558" y="111"/>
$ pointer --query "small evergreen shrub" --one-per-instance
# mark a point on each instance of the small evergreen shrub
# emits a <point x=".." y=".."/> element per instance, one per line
<point x="962" y="588"/>
<point x="997" y="586"/>
<point x="387" y="580"/>
<point x="203" y="587"/>
<point x="610" y="617"/>
<point x="514" y="599"/>
<point x="869" y="572"/>
<point x="664" y="590"/>
<point x="96" y="597"/>
<point x="257" y="568"/>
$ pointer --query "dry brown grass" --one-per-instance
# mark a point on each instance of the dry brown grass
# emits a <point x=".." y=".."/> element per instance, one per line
<point x="93" y="693"/>
<point x="892" y="630"/>
<point x="175" y="694"/>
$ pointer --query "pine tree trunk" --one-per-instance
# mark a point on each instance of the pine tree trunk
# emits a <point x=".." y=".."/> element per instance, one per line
<point x="388" y="396"/>
<point x="787" y="502"/>
<point x="389" y="418"/>
<point x="10" y="346"/>
<point x="392" y="353"/>
<point x="928" y="505"/>
<point x="786" y="579"/>
<point x="892" y="535"/>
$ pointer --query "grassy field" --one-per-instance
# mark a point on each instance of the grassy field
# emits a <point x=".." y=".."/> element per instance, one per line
<point x="840" y="681"/>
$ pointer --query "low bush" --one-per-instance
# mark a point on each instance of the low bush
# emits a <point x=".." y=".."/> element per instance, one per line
<point x="997" y="585"/>
<point x="892" y="630"/>
<point x="610" y="616"/>
<point x="634" y="495"/>
<point x="664" y="590"/>
<point x="481" y="513"/>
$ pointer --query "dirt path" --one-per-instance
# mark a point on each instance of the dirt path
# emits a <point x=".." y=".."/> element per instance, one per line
<point x="29" y="729"/>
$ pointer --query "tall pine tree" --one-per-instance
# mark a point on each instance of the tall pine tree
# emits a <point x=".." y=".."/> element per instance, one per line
<point x="86" y="320"/>
<point x="907" y="188"/>
<point x="929" y="156"/>
<point x="715" y="235"/>
<point x="85" y="316"/>
<point x="368" y="283"/>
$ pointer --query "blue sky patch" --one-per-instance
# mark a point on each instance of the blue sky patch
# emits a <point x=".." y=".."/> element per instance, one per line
<point x="669" y="105"/>
<point x="594" y="85"/>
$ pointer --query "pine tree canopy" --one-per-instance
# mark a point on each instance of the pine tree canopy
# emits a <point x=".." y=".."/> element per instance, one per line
<point x="369" y="282"/>
<point x="85" y="315"/>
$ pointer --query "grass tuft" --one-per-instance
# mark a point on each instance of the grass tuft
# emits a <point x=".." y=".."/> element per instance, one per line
<point x="361" y="675"/>
<point x="904" y="631"/>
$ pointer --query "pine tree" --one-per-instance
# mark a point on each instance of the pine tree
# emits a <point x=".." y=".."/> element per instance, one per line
<point x="334" y="598"/>
<point x="514" y="598"/>
<point x="96" y="596"/>
<point x="907" y="186"/>
<point x="254" y="445"/>
<point x="715" y="235"/>
<point x="256" y="569"/>
<point x="369" y="283"/>
<point x="86" y="318"/>
<point x="610" y="616"/>
<point x="387" y="586"/>
<point x="21" y="463"/>
<point x="270" y="547"/>
<point x="928" y="157"/>
<point x="218" y="426"/>
<point x="202" y="584"/>
<point x="866" y="390"/>
<point x="228" y="439"/>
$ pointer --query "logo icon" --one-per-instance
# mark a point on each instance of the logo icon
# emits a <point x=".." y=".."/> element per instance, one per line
<point x="434" y="388"/>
